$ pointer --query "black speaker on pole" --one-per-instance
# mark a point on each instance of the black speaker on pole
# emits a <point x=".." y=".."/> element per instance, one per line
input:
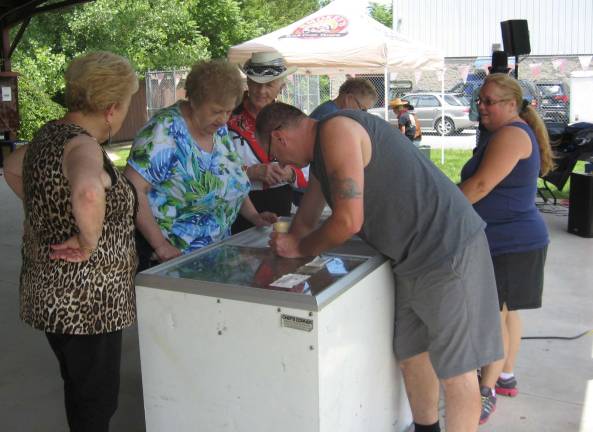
<point x="580" y="207"/>
<point x="515" y="37"/>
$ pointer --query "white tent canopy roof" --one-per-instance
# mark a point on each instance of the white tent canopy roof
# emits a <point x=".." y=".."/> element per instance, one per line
<point x="342" y="38"/>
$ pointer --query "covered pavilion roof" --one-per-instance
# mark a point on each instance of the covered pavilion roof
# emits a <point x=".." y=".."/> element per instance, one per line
<point x="20" y="12"/>
<point x="13" y="12"/>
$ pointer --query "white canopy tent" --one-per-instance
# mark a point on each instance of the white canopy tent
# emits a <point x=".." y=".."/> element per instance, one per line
<point x="342" y="38"/>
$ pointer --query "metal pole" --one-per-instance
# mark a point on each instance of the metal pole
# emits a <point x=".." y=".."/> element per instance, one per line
<point x="148" y="94"/>
<point x="442" y="16"/>
<point x="442" y="117"/>
<point x="386" y="93"/>
<point x="174" y="86"/>
<point x="307" y="110"/>
<point x="516" y="67"/>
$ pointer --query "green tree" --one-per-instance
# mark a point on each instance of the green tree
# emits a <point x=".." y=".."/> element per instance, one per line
<point x="40" y="78"/>
<point x="153" y="34"/>
<point x="266" y="16"/>
<point x="44" y="30"/>
<point x="382" y="13"/>
<point x="221" y="23"/>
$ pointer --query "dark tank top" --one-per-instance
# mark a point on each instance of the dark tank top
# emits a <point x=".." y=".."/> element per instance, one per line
<point x="80" y="298"/>
<point x="413" y="213"/>
<point x="515" y="224"/>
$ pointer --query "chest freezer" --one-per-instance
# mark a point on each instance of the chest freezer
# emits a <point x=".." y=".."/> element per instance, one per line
<point x="235" y="338"/>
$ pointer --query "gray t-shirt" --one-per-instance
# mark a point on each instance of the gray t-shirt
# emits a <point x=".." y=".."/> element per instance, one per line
<point x="413" y="213"/>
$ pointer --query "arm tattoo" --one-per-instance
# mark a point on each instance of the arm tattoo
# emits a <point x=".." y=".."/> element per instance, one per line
<point x="344" y="188"/>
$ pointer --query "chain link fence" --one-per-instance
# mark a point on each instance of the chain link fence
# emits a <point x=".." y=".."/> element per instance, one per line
<point x="308" y="91"/>
<point x="545" y="82"/>
<point x="164" y="88"/>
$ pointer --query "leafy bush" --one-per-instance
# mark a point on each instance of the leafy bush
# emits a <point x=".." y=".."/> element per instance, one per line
<point x="41" y="77"/>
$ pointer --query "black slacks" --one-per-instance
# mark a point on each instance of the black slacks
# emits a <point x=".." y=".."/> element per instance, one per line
<point x="90" y="368"/>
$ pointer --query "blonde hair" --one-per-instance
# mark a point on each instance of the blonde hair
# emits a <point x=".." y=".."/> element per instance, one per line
<point x="98" y="80"/>
<point x="509" y="88"/>
<point x="213" y="80"/>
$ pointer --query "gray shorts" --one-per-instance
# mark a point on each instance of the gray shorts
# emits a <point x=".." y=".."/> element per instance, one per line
<point x="451" y="311"/>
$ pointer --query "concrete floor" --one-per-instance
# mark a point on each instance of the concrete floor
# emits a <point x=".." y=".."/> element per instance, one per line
<point x="555" y="377"/>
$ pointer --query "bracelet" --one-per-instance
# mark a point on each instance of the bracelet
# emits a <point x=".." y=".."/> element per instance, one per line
<point x="293" y="177"/>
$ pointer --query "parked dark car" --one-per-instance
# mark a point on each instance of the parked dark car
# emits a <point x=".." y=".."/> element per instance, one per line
<point x="467" y="88"/>
<point x="531" y="92"/>
<point x="554" y="106"/>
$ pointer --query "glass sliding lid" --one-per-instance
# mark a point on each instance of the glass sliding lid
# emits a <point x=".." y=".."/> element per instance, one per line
<point x="260" y="268"/>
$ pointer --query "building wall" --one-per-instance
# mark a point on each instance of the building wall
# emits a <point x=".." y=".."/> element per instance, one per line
<point x="466" y="28"/>
<point x="136" y="118"/>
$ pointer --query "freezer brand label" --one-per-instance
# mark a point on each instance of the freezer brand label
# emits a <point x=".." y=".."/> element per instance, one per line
<point x="304" y="324"/>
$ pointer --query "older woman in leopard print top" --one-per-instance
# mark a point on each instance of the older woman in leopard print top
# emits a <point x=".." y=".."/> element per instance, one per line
<point x="79" y="259"/>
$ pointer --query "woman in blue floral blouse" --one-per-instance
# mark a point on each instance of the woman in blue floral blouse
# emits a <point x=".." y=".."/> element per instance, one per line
<point x="189" y="177"/>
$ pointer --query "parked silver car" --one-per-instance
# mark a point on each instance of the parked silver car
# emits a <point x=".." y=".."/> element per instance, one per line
<point x="427" y="107"/>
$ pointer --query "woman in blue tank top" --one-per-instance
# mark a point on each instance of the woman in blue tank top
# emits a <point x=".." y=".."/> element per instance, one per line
<point x="500" y="180"/>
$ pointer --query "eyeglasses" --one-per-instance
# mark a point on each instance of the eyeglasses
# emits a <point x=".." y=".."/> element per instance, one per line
<point x="488" y="101"/>
<point x="360" y="106"/>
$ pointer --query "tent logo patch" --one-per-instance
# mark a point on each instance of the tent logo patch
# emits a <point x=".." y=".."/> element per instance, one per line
<point x="321" y="27"/>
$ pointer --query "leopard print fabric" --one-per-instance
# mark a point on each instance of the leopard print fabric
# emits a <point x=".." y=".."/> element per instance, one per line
<point x="92" y="297"/>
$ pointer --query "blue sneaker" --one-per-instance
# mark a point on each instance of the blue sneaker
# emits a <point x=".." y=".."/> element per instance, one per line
<point x="488" y="404"/>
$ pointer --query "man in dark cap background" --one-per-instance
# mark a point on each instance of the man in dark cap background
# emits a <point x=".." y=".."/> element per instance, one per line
<point x="499" y="64"/>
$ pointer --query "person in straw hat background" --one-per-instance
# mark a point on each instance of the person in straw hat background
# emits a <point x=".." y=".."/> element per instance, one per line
<point x="406" y="121"/>
<point x="271" y="182"/>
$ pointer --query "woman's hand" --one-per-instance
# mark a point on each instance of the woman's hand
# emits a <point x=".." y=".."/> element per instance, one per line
<point x="166" y="251"/>
<point x="264" y="219"/>
<point x="72" y="250"/>
<point x="271" y="173"/>
<point x="289" y="175"/>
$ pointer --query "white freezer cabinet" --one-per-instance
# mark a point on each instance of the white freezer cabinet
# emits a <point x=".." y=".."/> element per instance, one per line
<point x="229" y="342"/>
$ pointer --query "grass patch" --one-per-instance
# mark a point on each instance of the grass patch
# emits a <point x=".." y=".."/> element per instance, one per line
<point x="456" y="158"/>
<point x="119" y="155"/>
<point x="454" y="161"/>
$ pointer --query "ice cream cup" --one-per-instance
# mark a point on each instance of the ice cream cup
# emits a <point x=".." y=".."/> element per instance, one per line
<point x="281" y="226"/>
